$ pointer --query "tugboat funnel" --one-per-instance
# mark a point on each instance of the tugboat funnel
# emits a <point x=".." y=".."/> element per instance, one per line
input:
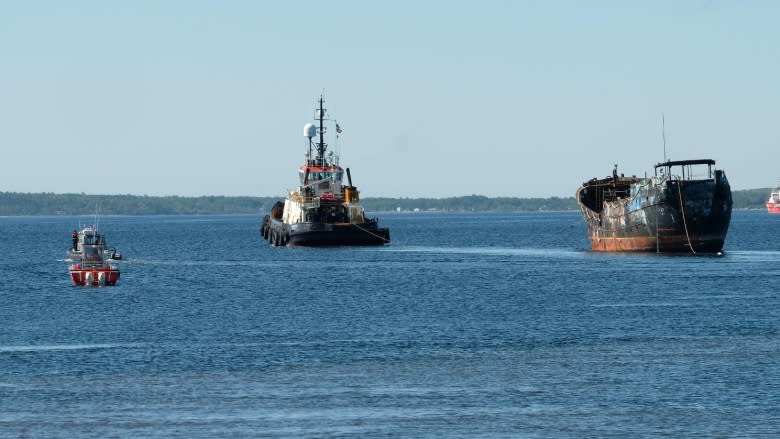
<point x="350" y="192"/>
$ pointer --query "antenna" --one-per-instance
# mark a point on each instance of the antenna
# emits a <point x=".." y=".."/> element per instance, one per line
<point x="663" y="133"/>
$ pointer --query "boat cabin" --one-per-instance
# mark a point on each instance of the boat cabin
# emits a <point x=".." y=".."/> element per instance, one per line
<point x="91" y="256"/>
<point x="90" y="236"/>
<point x="687" y="171"/>
<point x="321" y="179"/>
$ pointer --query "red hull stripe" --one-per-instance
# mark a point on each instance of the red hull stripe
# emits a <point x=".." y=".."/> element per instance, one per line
<point x="320" y="168"/>
<point x="639" y="243"/>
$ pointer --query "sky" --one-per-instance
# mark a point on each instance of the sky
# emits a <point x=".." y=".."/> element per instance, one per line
<point x="436" y="99"/>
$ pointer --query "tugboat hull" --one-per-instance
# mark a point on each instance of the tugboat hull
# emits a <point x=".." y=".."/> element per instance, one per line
<point x="671" y="215"/>
<point x="323" y="234"/>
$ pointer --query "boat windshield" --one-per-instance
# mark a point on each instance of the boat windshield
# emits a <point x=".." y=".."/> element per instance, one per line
<point x="314" y="177"/>
<point x="91" y="255"/>
<point x="91" y="237"/>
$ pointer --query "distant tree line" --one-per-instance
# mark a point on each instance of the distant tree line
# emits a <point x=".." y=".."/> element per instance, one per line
<point x="15" y="204"/>
<point x="477" y="203"/>
<point x="80" y="204"/>
<point x="750" y="198"/>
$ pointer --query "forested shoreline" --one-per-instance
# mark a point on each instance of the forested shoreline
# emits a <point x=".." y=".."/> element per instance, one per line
<point x="21" y="204"/>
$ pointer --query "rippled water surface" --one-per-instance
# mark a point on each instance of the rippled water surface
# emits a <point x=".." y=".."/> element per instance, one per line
<point x="478" y="325"/>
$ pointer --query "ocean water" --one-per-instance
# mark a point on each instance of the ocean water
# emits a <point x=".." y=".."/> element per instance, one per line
<point x="466" y="325"/>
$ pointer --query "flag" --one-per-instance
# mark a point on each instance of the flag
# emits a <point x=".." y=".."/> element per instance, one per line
<point x="338" y="128"/>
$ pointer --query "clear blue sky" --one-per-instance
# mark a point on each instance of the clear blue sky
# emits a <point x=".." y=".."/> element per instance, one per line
<point x="498" y="98"/>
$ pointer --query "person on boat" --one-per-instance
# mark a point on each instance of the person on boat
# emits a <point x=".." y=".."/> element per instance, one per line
<point x="75" y="236"/>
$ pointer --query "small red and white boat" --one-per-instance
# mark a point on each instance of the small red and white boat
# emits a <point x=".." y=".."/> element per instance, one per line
<point x="773" y="203"/>
<point x="92" y="270"/>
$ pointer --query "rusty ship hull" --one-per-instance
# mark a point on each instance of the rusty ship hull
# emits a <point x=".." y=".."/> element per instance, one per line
<point x="667" y="213"/>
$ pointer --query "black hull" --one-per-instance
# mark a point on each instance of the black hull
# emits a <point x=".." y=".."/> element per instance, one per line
<point x="315" y="234"/>
<point x="675" y="216"/>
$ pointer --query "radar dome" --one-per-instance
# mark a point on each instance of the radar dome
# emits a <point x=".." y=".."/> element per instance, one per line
<point x="309" y="130"/>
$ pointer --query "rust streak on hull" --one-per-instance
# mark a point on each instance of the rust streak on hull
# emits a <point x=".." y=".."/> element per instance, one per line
<point x="669" y="244"/>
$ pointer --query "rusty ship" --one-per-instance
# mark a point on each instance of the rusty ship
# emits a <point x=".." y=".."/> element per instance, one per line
<point x="322" y="210"/>
<point x="685" y="207"/>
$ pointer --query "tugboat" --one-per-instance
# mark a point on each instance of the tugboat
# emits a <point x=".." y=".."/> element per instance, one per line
<point x="90" y="236"/>
<point x="773" y="203"/>
<point x="322" y="211"/>
<point x="676" y="210"/>
<point x="92" y="270"/>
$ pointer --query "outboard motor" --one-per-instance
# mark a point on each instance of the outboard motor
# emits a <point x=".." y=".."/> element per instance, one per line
<point x="89" y="278"/>
<point x="101" y="278"/>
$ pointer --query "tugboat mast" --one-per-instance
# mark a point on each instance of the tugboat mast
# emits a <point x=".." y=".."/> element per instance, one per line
<point x="321" y="145"/>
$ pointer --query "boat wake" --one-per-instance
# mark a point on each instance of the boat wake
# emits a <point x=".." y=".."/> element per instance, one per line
<point x="491" y="251"/>
<point x="755" y="256"/>
<point x="66" y="347"/>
